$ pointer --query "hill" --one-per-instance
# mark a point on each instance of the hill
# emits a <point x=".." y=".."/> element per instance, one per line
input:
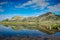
<point x="48" y="22"/>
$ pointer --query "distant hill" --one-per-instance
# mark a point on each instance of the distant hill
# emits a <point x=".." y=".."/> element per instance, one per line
<point x="15" y="19"/>
<point x="45" y="17"/>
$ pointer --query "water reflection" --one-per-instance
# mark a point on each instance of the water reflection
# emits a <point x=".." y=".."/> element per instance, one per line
<point x="8" y="31"/>
<point x="28" y="28"/>
<point x="31" y="27"/>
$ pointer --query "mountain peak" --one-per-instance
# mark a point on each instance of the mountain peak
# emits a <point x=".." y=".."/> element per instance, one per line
<point x="16" y="17"/>
<point x="49" y="13"/>
<point x="46" y="14"/>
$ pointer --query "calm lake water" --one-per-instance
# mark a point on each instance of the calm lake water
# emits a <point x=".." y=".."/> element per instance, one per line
<point x="7" y="31"/>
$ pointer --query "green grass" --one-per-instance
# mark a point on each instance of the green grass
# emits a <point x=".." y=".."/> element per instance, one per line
<point x="55" y="26"/>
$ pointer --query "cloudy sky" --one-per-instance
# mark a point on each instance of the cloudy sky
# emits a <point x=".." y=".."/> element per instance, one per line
<point x="10" y="8"/>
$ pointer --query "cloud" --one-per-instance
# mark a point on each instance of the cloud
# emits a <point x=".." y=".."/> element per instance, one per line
<point x="0" y="6"/>
<point x="2" y="17"/>
<point x="54" y="8"/>
<point x="1" y="10"/>
<point x="41" y="3"/>
<point x="25" y="4"/>
<point x="1" y="3"/>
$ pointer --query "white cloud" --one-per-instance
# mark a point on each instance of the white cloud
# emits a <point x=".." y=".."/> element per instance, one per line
<point x="0" y="6"/>
<point x="41" y="3"/>
<point x="23" y="5"/>
<point x="2" y="17"/>
<point x="1" y="10"/>
<point x="54" y="8"/>
<point x="1" y="3"/>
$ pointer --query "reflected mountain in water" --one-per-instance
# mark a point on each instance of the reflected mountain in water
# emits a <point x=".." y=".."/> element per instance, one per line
<point x="49" y="23"/>
<point x="30" y="27"/>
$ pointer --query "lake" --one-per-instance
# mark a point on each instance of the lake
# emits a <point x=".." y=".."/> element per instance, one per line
<point x="8" y="31"/>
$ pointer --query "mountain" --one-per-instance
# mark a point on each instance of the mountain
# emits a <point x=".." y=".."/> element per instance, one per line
<point x="48" y="22"/>
<point x="49" y="16"/>
<point x="15" y="19"/>
<point x="49" y="19"/>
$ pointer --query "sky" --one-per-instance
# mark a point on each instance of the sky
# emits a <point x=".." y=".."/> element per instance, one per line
<point x="10" y="8"/>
